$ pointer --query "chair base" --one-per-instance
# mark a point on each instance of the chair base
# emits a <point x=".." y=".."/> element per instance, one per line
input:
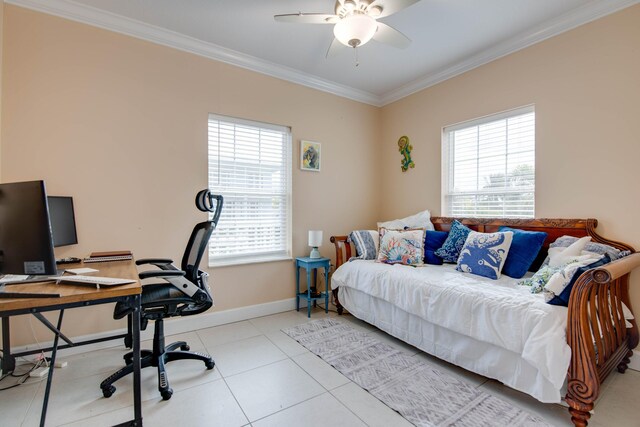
<point x="158" y="357"/>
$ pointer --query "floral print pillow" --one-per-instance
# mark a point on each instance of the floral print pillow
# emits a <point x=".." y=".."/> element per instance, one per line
<point x="538" y="281"/>
<point x="401" y="246"/>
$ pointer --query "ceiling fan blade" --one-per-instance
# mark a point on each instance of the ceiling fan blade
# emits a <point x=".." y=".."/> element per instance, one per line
<point x="335" y="48"/>
<point x="307" y="18"/>
<point x="389" y="7"/>
<point x="391" y="36"/>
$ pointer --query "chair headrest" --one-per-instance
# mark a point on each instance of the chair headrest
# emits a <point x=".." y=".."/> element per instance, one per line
<point x="204" y="202"/>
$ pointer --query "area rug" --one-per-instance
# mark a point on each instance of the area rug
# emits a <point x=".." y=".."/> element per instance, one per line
<point x="412" y="387"/>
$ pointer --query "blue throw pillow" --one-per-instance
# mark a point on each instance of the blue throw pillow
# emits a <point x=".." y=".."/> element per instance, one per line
<point x="450" y="250"/>
<point x="563" y="298"/>
<point x="524" y="250"/>
<point x="484" y="254"/>
<point x="432" y="242"/>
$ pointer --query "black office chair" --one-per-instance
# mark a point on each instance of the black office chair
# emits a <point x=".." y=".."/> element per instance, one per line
<point x="183" y="293"/>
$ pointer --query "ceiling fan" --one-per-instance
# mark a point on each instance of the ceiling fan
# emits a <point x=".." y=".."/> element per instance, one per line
<point x="356" y="22"/>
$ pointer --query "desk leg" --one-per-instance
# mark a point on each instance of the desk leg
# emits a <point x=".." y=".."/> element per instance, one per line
<point x="54" y="351"/>
<point x="135" y="332"/>
<point x="8" y="361"/>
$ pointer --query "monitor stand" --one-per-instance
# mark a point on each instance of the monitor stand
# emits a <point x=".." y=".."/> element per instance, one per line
<point x="30" y="279"/>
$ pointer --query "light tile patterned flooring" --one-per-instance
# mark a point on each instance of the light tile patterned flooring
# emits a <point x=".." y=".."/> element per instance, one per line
<point x="262" y="378"/>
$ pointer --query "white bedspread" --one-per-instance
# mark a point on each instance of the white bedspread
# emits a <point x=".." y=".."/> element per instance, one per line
<point x="498" y="312"/>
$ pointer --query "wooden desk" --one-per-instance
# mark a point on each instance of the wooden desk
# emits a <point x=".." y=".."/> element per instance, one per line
<point x="72" y="296"/>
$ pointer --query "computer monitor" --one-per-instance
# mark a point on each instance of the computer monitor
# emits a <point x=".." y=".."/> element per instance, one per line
<point x="63" y="222"/>
<point x="26" y="243"/>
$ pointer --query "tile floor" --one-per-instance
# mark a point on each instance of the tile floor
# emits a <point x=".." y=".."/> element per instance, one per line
<point x="262" y="378"/>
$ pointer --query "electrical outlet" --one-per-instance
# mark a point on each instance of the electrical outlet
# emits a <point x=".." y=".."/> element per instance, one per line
<point x="39" y="372"/>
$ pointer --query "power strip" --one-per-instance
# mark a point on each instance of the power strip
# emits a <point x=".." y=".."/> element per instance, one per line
<point x="39" y="372"/>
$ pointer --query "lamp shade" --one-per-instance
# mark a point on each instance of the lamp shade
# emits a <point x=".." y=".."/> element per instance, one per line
<point x="315" y="238"/>
<point x="355" y="30"/>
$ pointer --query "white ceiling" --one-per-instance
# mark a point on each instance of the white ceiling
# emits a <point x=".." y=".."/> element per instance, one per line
<point x="449" y="36"/>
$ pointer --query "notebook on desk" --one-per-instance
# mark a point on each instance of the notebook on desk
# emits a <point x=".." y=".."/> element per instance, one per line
<point x="109" y="256"/>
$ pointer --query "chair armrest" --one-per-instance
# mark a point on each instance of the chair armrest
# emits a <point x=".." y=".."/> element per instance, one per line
<point x="161" y="273"/>
<point x="161" y="261"/>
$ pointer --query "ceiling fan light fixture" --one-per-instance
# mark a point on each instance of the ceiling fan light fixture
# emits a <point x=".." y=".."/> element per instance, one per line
<point x="355" y="30"/>
<point x="375" y="11"/>
<point x="349" y="5"/>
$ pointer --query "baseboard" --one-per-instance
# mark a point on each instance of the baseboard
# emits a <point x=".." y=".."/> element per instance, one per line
<point x="177" y="325"/>
<point x="635" y="361"/>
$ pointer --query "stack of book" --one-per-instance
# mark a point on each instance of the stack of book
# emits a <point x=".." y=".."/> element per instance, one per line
<point x="109" y="256"/>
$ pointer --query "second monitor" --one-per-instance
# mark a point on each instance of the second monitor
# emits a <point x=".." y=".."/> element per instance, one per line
<point x="63" y="223"/>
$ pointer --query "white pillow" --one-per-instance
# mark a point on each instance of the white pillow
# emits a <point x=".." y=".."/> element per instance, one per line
<point x="560" y="256"/>
<point x="419" y="220"/>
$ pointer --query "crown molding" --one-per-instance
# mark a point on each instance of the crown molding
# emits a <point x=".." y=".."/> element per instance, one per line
<point x="131" y="27"/>
<point x="99" y="18"/>
<point x="587" y="13"/>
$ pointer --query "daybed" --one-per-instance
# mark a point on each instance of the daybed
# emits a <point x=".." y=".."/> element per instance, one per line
<point x="495" y="327"/>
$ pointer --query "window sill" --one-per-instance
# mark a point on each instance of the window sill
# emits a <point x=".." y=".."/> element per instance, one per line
<point x="253" y="260"/>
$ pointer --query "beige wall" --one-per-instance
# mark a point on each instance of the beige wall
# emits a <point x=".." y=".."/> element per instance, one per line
<point x="121" y="125"/>
<point x="585" y="85"/>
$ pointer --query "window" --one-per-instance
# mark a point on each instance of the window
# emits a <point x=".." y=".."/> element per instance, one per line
<point x="250" y="165"/>
<point x="489" y="166"/>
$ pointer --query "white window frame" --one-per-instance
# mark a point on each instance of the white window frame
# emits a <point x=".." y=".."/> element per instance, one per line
<point x="448" y="166"/>
<point x="248" y="256"/>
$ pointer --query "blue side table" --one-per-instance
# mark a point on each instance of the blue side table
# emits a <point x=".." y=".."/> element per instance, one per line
<point x="314" y="264"/>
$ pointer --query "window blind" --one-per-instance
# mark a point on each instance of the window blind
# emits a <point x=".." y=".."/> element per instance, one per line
<point x="250" y="165"/>
<point x="489" y="166"/>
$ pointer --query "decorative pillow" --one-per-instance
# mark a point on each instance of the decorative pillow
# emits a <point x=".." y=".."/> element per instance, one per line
<point x="598" y="248"/>
<point x="401" y="246"/>
<point x="624" y="254"/>
<point x="451" y="248"/>
<point x="366" y="243"/>
<point x="433" y="240"/>
<point x="539" y="280"/>
<point x="561" y="255"/>
<point x="524" y="250"/>
<point x="419" y="220"/>
<point x="484" y="254"/>
<point x="561" y="297"/>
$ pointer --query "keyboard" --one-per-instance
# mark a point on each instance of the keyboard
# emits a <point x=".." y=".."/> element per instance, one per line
<point x="94" y="280"/>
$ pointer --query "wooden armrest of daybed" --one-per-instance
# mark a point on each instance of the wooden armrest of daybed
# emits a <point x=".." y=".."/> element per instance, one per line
<point x="596" y="328"/>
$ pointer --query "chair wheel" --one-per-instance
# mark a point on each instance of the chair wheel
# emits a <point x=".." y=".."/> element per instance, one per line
<point x="108" y="391"/>
<point x="166" y="394"/>
<point x="210" y="364"/>
<point x="185" y="347"/>
<point x="128" y="358"/>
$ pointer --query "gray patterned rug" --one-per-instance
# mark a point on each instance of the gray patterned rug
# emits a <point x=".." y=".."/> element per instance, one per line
<point x="413" y="388"/>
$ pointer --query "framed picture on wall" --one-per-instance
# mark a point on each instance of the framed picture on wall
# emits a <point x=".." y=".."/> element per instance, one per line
<point x="310" y="156"/>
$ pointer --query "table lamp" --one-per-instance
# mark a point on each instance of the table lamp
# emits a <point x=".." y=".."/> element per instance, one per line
<point x="315" y="240"/>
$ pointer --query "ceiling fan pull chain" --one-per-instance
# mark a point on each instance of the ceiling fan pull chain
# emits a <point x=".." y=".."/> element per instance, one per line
<point x="355" y="49"/>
